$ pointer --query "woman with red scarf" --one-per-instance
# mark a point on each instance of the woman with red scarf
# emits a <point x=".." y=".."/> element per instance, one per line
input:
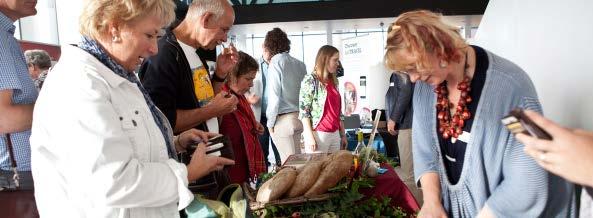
<point x="249" y="158"/>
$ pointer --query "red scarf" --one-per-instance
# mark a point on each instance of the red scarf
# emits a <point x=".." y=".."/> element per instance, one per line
<point x="248" y="125"/>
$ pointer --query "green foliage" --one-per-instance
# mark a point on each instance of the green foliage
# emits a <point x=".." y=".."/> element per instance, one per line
<point x="369" y="152"/>
<point x="347" y="203"/>
<point x="263" y="177"/>
<point x="381" y="158"/>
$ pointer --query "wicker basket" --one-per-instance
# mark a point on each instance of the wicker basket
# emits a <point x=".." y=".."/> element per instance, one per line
<point x="255" y="206"/>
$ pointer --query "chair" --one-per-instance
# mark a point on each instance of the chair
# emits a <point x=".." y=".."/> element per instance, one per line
<point x="352" y="121"/>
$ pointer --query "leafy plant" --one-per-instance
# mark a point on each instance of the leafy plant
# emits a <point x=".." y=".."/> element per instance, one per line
<point x="348" y="202"/>
<point x="263" y="177"/>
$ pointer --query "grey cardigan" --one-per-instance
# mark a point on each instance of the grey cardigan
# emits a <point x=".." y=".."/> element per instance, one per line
<point x="496" y="171"/>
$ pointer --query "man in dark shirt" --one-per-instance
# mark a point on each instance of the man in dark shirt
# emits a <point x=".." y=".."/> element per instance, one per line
<point x="178" y="80"/>
<point x="399" y="124"/>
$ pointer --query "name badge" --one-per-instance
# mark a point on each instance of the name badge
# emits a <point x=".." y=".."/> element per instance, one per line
<point x="392" y="84"/>
<point x="464" y="137"/>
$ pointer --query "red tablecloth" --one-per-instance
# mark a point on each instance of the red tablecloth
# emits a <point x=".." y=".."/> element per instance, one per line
<point x="390" y="185"/>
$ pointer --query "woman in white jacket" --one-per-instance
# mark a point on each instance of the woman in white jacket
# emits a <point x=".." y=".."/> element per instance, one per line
<point x="100" y="148"/>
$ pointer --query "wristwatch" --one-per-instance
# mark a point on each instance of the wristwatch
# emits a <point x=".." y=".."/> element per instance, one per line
<point x="215" y="78"/>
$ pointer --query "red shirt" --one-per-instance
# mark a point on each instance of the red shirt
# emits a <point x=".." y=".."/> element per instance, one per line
<point x="330" y="120"/>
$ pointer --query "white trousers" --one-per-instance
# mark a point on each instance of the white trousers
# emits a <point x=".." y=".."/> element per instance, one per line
<point x="287" y="135"/>
<point x="327" y="142"/>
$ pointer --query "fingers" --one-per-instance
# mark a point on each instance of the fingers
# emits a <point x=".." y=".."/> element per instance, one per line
<point x="544" y="123"/>
<point x="212" y="134"/>
<point x="545" y="160"/>
<point x="535" y="143"/>
<point x="225" y="94"/>
<point x="221" y="161"/>
<point x="200" y="151"/>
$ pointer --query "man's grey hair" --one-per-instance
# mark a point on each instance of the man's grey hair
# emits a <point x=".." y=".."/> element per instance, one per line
<point x="200" y="7"/>
<point x="39" y="58"/>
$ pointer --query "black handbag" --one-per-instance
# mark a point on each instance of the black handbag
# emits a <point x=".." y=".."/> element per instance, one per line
<point x="17" y="196"/>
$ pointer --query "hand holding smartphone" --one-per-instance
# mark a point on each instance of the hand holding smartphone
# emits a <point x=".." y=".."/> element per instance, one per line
<point x="518" y="122"/>
<point x="219" y="146"/>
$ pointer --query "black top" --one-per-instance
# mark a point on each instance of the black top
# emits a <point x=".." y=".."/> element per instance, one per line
<point x="453" y="153"/>
<point x="167" y="77"/>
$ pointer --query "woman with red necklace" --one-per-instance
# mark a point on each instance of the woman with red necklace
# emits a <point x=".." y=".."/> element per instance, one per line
<point x="465" y="160"/>
<point x="240" y="125"/>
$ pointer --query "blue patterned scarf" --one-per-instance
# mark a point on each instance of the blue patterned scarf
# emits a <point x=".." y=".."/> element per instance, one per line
<point x="93" y="48"/>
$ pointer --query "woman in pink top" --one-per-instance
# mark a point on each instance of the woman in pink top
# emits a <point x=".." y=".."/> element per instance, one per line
<point x="320" y="105"/>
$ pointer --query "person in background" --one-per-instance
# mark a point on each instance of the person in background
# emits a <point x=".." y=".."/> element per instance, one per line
<point x="179" y="81"/>
<point x="39" y="63"/>
<point x="249" y="157"/>
<point x="285" y="74"/>
<point x="320" y="106"/>
<point x="258" y="99"/>
<point x="100" y="147"/>
<point x="17" y="91"/>
<point x="465" y="160"/>
<point x="569" y="155"/>
<point x="398" y="101"/>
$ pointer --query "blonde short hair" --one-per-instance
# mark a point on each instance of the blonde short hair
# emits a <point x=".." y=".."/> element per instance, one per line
<point x="97" y="14"/>
<point x="421" y="33"/>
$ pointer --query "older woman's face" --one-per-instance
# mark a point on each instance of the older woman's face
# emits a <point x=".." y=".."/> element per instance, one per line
<point x="243" y="83"/>
<point x="434" y="75"/>
<point x="138" y="42"/>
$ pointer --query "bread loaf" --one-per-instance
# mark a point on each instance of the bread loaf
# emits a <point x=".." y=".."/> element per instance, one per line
<point x="275" y="187"/>
<point x="305" y="179"/>
<point x="335" y="169"/>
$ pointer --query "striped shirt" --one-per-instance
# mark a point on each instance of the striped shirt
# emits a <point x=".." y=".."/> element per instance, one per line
<point x="496" y="171"/>
<point x="285" y="74"/>
<point x="14" y="76"/>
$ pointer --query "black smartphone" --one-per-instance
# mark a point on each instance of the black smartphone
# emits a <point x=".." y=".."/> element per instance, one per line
<point x="217" y="146"/>
<point x="518" y="122"/>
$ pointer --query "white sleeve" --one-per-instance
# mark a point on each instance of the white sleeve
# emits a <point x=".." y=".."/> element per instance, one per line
<point x="98" y="149"/>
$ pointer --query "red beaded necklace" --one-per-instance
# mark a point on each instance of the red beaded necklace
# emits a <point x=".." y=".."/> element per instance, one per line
<point x="452" y="126"/>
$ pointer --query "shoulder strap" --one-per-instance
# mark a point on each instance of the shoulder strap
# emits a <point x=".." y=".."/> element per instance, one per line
<point x="12" y="160"/>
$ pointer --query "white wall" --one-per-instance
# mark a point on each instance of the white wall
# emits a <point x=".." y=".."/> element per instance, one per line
<point x="69" y="11"/>
<point x="43" y="26"/>
<point x="553" y="42"/>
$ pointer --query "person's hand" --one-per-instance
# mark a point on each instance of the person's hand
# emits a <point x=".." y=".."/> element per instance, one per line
<point x="569" y="153"/>
<point x="202" y="164"/>
<point x="310" y="143"/>
<point x="260" y="129"/>
<point x="224" y="103"/>
<point x="252" y="99"/>
<point x="226" y="61"/>
<point x="391" y="127"/>
<point x="344" y="142"/>
<point x="192" y="136"/>
<point x="432" y="210"/>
